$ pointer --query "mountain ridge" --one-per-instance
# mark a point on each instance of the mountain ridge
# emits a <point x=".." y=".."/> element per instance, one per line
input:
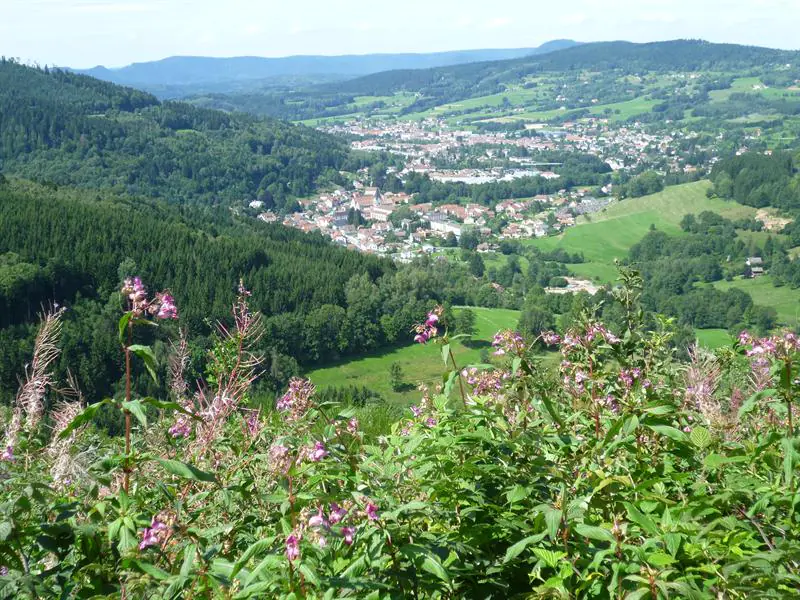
<point x="187" y="71"/>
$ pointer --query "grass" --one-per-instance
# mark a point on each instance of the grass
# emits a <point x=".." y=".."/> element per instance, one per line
<point x="610" y="234"/>
<point x="420" y="363"/>
<point x="785" y="300"/>
<point x="713" y="338"/>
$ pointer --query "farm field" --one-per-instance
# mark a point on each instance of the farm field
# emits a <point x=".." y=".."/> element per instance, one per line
<point x="420" y="363"/>
<point x="785" y="300"/>
<point x="611" y="233"/>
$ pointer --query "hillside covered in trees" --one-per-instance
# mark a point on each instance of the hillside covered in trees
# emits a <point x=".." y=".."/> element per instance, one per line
<point x="70" y="129"/>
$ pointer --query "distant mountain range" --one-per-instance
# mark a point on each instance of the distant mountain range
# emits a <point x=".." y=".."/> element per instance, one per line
<point x="184" y="75"/>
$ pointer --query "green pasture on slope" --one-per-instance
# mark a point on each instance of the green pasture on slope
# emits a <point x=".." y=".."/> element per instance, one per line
<point x="609" y="234"/>
<point x="420" y="363"/>
<point x="785" y="300"/>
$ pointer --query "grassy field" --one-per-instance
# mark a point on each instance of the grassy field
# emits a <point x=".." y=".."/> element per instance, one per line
<point x="713" y="338"/>
<point x="611" y="233"/>
<point x="784" y="299"/>
<point x="421" y="364"/>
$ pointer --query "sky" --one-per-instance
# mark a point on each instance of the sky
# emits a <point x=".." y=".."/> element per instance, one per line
<point x="114" y="33"/>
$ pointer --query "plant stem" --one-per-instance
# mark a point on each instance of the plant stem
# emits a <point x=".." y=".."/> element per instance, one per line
<point x="789" y="395"/>
<point x="460" y="382"/>
<point x="127" y="469"/>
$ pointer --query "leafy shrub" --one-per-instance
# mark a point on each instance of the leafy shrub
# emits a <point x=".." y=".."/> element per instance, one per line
<point x="626" y="474"/>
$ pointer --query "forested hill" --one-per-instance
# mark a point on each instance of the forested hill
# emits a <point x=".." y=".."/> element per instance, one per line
<point x="190" y="74"/>
<point x="73" y="247"/>
<point x="476" y="79"/>
<point x="71" y="129"/>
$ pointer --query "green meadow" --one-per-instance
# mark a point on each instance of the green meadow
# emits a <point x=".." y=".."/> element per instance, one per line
<point x="608" y="235"/>
<point x="420" y="363"/>
<point x="785" y="300"/>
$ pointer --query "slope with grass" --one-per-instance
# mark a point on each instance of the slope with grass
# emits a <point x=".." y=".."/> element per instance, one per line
<point x="785" y="300"/>
<point x="610" y="234"/>
<point x="420" y="363"/>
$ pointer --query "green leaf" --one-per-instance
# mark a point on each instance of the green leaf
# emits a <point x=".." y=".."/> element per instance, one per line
<point x="660" y="559"/>
<point x="5" y="530"/>
<point x="516" y="494"/>
<point x="788" y="460"/>
<point x="750" y="403"/>
<point x="256" y="548"/>
<point x="434" y="566"/>
<point x="85" y="416"/>
<point x="149" y="569"/>
<point x="670" y="432"/>
<point x="136" y="409"/>
<point x="594" y="533"/>
<point x="162" y="405"/>
<point x="701" y="437"/>
<point x="186" y="470"/>
<point x="147" y="356"/>
<point x="641" y="519"/>
<point x="445" y="353"/>
<point x="123" y="327"/>
<point x="516" y="549"/>
<point x="550" y="558"/>
<point x="552" y="517"/>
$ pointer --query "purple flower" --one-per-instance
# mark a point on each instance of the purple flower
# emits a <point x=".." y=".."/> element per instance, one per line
<point x="416" y="410"/>
<point x="337" y="514"/>
<point x="430" y="422"/>
<point x="318" y="520"/>
<point x="347" y="534"/>
<point x="292" y="547"/>
<point x="167" y="308"/>
<point x="551" y="338"/>
<point x="508" y="342"/>
<point x="8" y="454"/>
<point x="153" y="535"/>
<point x="298" y="398"/>
<point x="371" y="511"/>
<point x="427" y="330"/>
<point x="182" y="427"/>
<point x="352" y="426"/>
<point x="318" y="453"/>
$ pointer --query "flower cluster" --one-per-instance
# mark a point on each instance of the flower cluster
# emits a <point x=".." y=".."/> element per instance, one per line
<point x="155" y="535"/>
<point x="486" y="383"/>
<point x="778" y="346"/>
<point x="161" y="307"/>
<point x="551" y="338"/>
<point x="508" y="342"/>
<point x="341" y="521"/>
<point x="428" y="329"/>
<point x="628" y="376"/>
<point x="297" y="400"/>
<point x="313" y="453"/>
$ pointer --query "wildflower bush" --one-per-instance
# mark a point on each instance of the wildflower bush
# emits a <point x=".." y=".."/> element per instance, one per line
<point x="622" y="474"/>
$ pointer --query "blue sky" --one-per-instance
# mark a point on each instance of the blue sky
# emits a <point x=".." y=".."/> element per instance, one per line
<point x="84" y="33"/>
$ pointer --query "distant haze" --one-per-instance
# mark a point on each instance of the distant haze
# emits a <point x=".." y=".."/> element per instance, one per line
<point x="86" y="33"/>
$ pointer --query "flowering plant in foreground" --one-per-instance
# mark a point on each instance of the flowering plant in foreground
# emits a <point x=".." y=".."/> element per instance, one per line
<point x="618" y="473"/>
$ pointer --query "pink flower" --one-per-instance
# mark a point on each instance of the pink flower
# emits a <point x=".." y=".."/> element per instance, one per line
<point x="337" y="513"/>
<point x="318" y="520"/>
<point x="8" y="454"/>
<point x="318" y="453"/>
<point x="551" y="338"/>
<point x="292" y="547"/>
<point x="427" y="330"/>
<point x="298" y="398"/>
<point x="167" y="308"/>
<point x="430" y="422"/>
<point x="508" y="342"/>
<point x="416" y="410"/>
<point x="352" y="426"/>
<point x="347" y="534"/>
<point x="153" y="535"/>
<point x="182" y="427"/>
<point x="371" y="511"/>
